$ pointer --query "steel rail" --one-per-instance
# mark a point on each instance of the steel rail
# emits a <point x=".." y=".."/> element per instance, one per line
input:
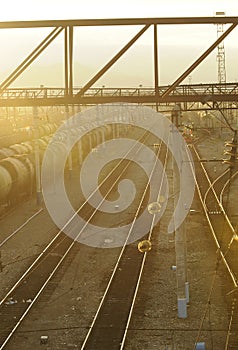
<point x="60" y="261"/>
<point x="20" y="227"/>
<point x="234" y="230"/>
<point x="225" y="185"/>
<point x="215" y="194"/>
<point x="231" y="274"/>
<point x="60" y="231"/>
<point x="116" y="267"/>
<point x="212" y="187"/>
<point x="222" y="255"/>
<point x="143" y="262"/>
<point x="57" y="266"/>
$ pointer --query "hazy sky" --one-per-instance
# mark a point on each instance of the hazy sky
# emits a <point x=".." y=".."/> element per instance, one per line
<point x="179" y="46"/>
<point x="49" y="9"/>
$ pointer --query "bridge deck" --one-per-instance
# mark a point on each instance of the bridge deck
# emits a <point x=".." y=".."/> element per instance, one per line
<point x="45" y="96"/>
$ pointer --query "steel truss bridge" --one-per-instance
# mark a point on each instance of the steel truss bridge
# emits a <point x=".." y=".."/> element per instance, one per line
<point x="191" y="97"/>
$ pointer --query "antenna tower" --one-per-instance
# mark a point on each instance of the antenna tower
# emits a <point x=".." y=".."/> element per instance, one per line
<point x="221" y="52"/>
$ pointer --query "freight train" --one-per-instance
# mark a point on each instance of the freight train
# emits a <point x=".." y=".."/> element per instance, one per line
<point x="18" y="158"/>
<point x="17" y="161"/>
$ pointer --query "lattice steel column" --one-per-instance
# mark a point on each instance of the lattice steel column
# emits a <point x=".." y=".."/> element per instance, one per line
<point x="221" y="56"/>
<point x="221" y="61"/>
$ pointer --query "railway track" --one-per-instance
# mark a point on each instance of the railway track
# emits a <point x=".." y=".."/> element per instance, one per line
<point x="120" y="295"/>
<point x="22" y="226"/>
<point x="110" y="324"/>
<point x="21" y="298"/>
<point x="224" y="234"/>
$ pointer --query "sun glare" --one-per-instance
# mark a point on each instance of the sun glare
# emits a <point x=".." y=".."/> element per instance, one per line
<point x="18" y="43"/>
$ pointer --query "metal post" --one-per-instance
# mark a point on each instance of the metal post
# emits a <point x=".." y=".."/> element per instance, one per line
<point x="70" y="61"/>
<point x="181" y="272"/>
<point x="187" y="291"/>
<point x="37" y="157"/>
<point x="185" y="264"/>
<point x="180" y="245"/>
<point x="66" y="61"/>
<point x="156" y="69"/>
<point x="68" y="136"/>
<point x="68" y="54"/>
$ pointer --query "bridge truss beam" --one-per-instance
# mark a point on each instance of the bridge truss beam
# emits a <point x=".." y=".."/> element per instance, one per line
<point x="188" y="95"/>
<point x="81" y="96"/>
